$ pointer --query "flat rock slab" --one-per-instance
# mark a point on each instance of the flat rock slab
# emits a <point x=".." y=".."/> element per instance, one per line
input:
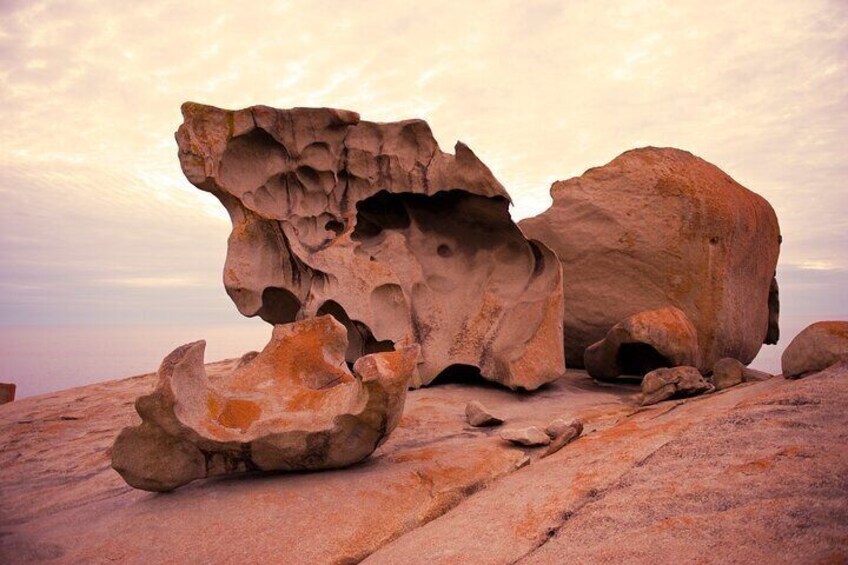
<point x="59" y="498"/>
<point x="753" y="473"/>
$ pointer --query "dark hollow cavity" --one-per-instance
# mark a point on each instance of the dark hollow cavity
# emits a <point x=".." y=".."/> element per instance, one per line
<point x="639" y="359"/>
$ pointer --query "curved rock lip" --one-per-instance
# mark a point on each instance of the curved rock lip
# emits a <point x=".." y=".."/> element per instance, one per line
<point x="375" y="225"/>
<point x="644" y="342"/>
<point x="294" y="406"/>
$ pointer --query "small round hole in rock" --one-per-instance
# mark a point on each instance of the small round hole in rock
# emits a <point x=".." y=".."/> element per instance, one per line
<point x="334" y="226"/>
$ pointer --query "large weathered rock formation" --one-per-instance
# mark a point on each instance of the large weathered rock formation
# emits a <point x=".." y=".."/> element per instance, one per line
<point x="816" y="348"/>
<point x="657" y="228"/>
<point x="375" y="225"/>
<point x="294" y="406"/>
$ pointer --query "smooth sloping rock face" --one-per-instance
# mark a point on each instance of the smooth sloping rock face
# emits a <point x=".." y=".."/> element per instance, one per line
<point x="817" y="347"/>
<point x="661" y="227"/>
<point x="755" y="474"/>
<point x="375" y="225"/>
<point x="662" y="384"/>
<point x="644" y="342"/>
<point x="294" y="406"/>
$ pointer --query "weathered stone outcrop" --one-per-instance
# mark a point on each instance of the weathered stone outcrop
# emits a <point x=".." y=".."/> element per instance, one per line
<point x="7" y="392"/>
<point x="294" y="406"/>
<point x="730" y="372"/>
<point x="817" y="347"/>
<point x="660" y="227"/>
<point x="375" y="225"/>
<point x="670" y="382"/>
<point x="644" y="342"/>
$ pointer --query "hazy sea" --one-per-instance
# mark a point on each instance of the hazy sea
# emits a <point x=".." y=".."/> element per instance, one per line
<point x="45" y="359"/>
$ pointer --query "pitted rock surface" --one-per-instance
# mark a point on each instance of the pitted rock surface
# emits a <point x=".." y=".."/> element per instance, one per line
<point x="375" y="225"/>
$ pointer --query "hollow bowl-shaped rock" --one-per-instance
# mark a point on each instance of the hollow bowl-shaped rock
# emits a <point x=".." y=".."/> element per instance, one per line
<point x="294" y="406"/>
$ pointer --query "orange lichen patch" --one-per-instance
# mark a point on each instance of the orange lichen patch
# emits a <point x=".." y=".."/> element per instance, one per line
<point x="838" y="329"/>
<point x="302" y="360"/>
<point x="753" y="467"/>
<point x="537" y="348"/>
<point x="213" y="406"/>
<point x="239" y="413"/>
<point x="423" y="454"/>
<point x="306" y="400"/>
<point x="795" y="451"/>
<point x="528" y="526"/>
<point x="675" y="522"/>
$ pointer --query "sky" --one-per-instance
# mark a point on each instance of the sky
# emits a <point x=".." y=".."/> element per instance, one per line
<point x="99" y="226"/>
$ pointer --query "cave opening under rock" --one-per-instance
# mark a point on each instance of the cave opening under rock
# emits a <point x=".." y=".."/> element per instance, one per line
<point x="638" y="359"/>
<point x="462" y="374"/>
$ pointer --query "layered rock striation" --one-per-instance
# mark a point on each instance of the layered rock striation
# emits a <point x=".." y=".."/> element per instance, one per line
<point x="375" y="225"/>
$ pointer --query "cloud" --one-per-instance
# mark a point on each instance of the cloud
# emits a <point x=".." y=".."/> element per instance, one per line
<point x="90" y="96"/>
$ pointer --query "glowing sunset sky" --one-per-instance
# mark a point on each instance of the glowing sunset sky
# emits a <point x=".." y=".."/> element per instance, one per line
<point x="100" y="226"/>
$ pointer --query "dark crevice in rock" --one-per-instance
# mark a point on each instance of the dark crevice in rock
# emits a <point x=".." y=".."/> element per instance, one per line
<point x="360" y="339"/>
<point x="773" y="332"/>
<point x="639" y="359"/>
<point x="593" y="495"/>
<point x="460" y="374"/>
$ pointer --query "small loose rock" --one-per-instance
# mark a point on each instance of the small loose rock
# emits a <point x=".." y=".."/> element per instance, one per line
<point x="668" y="382"/>
<point x="565" y="433"/>
<point x="479" y="416"/>
<point x="531" y="437"/>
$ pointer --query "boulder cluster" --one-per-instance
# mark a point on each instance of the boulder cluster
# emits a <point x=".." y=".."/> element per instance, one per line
<point x="384" y="263"/>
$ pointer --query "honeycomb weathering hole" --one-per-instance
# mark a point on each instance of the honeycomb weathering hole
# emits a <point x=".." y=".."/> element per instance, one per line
<point x="279" y="306"/>
<point x="360" y="339"/>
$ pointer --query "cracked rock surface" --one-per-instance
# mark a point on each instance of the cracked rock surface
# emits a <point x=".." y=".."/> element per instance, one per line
<point x="770" y="459"/>
<point x="292" y="407"/>
<point x="375" y="225"/>
<point x="660" y="227"/>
